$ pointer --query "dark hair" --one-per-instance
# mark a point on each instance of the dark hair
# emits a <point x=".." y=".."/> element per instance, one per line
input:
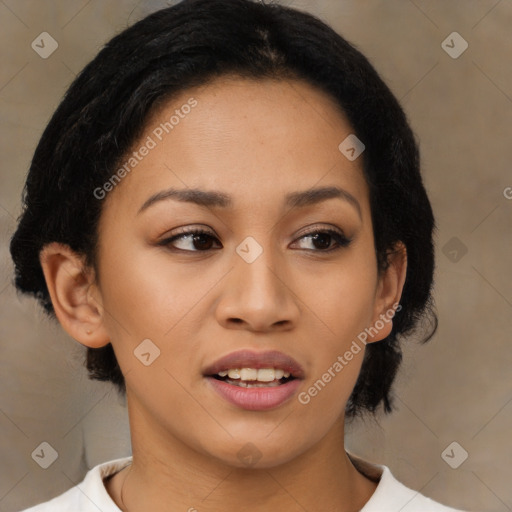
<point x="105" y="110"/>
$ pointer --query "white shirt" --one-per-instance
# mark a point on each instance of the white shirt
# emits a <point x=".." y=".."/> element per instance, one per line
<point x="92" y="496"/>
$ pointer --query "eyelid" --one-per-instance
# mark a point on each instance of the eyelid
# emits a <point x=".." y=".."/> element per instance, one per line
<point x="188" y="229"/>
<point x="320" y="227"/>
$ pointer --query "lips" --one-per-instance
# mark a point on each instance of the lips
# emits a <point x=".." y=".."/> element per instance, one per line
<point x="255" y="395"/>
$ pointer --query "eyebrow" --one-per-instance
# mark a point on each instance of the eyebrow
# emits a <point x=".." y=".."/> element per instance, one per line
<point x="213" y="198"/>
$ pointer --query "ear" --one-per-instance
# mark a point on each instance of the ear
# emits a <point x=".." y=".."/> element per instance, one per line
<point x="74" y="294"/>
<point x="387" y="297"/>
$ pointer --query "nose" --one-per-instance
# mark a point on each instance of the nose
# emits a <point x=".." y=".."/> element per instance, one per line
<point x="258" y="296"/>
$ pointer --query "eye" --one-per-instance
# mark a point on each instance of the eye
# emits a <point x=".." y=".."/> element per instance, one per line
<point x="191" y="240"/>
<point x="321" y="239"/>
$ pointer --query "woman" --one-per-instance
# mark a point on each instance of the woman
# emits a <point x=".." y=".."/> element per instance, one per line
<point x="227" y="210"/>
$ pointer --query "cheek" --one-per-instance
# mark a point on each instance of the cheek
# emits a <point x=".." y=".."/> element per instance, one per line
<point x="148" y="298"/>
<point x="336" y="357"/>
<point x="344" y="306"/>
<point x="345" y="298"/>
<point x="147" y="293"/>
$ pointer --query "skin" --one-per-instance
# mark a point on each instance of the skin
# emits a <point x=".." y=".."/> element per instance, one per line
<point x="255" y="141"/>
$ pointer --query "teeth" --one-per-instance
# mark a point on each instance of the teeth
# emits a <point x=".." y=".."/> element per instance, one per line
<point x="244" y="384"/>
<point x="249" y="374"/>
<point x="253" y="374"/>
<point x="266" y="375"/>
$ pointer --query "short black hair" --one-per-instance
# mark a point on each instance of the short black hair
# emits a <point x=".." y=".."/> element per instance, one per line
<point x="189" y="44"/>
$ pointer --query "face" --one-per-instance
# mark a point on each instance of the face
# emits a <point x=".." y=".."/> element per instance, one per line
<point x="241" y="238"/>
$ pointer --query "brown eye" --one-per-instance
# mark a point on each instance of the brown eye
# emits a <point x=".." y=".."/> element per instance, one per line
<point x="322" y="240"/>
<point x="195" y="240"/>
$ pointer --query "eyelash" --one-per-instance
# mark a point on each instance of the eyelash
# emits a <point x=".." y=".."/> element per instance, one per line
<point x="341" y="240"/>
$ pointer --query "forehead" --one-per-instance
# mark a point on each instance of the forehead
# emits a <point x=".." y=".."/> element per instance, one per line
<point x="254" y="139"/>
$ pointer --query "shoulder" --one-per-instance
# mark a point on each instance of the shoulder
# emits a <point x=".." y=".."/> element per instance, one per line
<point x="88" y="496"/>
<point x="393" y="496"/>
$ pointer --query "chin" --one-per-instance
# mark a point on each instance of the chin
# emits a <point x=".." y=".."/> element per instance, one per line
<point x="261" y="451"/>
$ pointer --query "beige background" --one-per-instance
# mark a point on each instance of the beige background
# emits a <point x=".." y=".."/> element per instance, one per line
<point x="456" y="388"/>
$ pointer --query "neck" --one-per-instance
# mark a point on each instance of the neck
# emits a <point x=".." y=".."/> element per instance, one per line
<point x="167" y="475"/>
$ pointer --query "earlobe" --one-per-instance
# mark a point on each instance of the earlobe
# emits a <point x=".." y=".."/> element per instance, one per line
<point x="388" y="294"/>
<point x="70" y="284"/>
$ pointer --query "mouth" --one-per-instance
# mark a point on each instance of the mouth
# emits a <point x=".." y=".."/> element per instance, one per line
<point x="255" y="381"/>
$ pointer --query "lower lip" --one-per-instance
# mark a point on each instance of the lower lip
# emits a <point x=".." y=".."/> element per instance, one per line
<point x="255" y="399"/>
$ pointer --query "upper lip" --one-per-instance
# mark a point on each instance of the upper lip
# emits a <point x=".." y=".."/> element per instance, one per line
<point x="257" y="360"/>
